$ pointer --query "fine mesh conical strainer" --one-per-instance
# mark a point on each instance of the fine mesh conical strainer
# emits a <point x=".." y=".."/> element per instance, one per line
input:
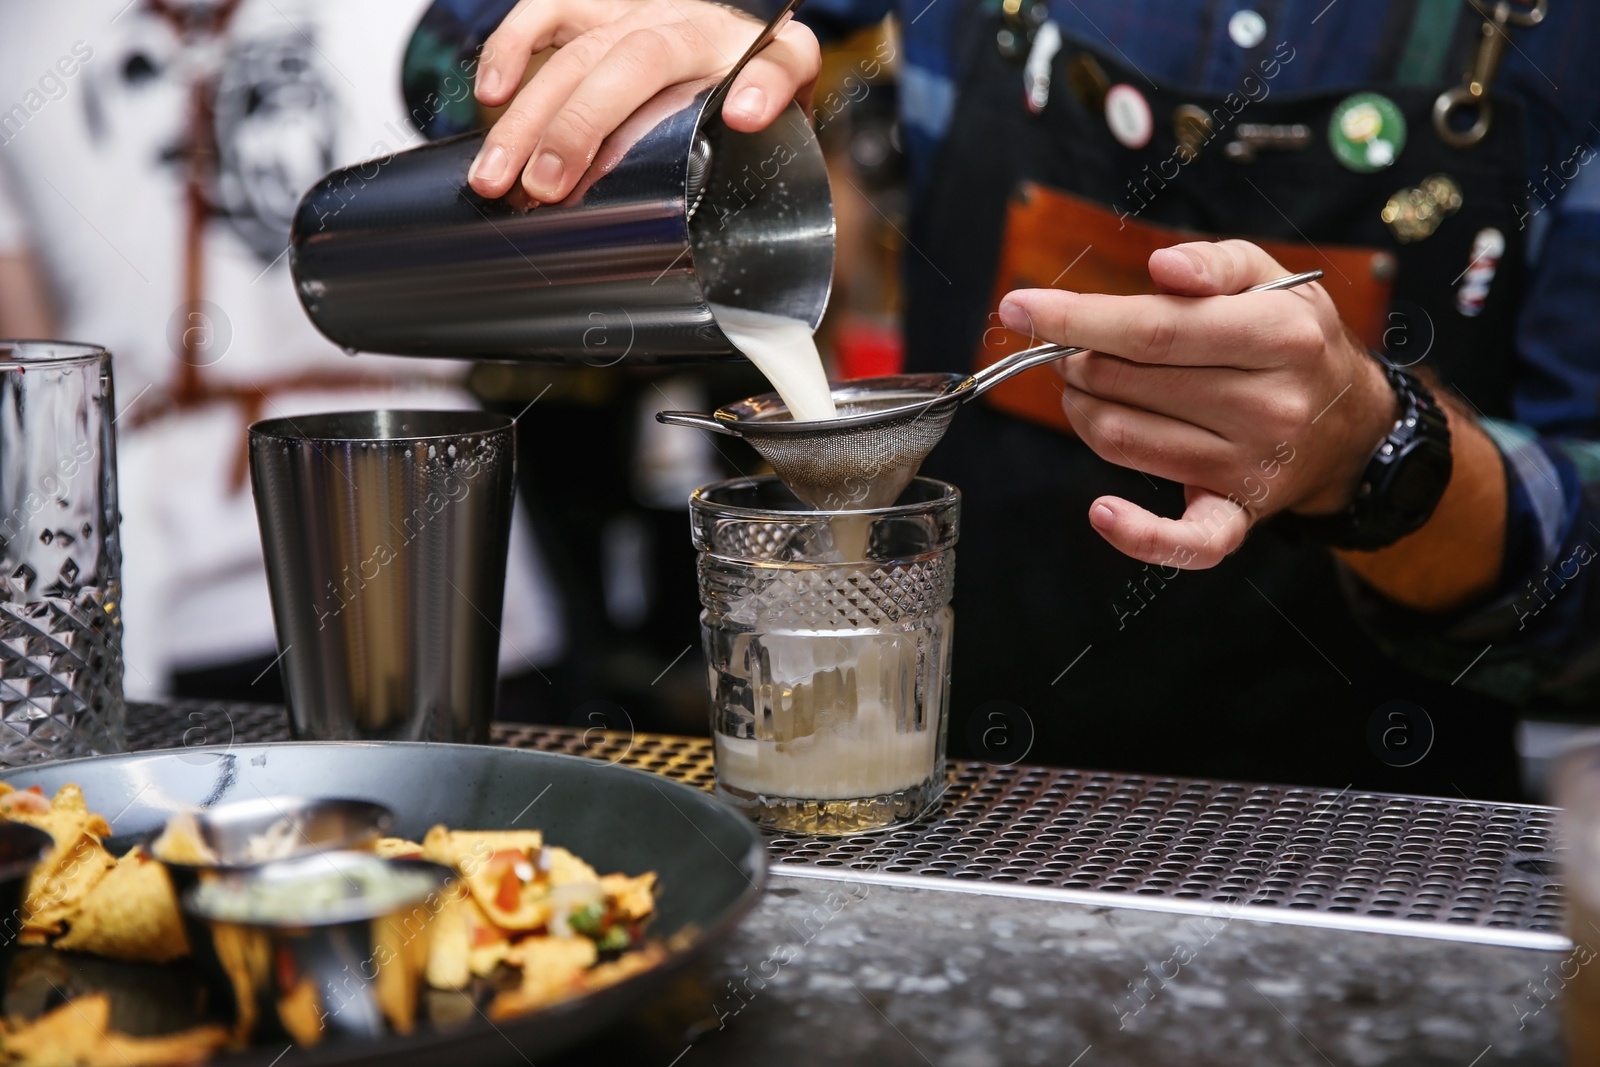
<point x="860" y="459"/>
<point x="885" y="428"/>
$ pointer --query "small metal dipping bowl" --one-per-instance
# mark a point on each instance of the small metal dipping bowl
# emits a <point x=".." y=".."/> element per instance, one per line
<point x="313" y="824"/>
<point x="316" y="825"/>
<point x="319" y="968"/>
<point x="21" y="848"/>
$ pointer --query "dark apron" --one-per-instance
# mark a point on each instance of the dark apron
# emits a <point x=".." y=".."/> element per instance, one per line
<point x="1254" y="669"/>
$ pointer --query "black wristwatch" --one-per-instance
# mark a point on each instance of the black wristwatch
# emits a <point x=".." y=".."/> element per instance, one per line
<point x="1403" y="482"/>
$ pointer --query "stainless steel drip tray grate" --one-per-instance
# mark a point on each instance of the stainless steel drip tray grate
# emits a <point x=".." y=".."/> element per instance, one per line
<point x="1458" y="869"/>
<point x="1463" y="870"/>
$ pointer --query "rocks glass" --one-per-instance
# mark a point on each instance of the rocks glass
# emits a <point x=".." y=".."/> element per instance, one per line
<point x="827" y="642"/>
<point x="60" y="556"/>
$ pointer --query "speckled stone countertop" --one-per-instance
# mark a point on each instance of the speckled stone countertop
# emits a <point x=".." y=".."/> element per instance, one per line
<point x="842" y="970"/>
<point x="843" y="973"/>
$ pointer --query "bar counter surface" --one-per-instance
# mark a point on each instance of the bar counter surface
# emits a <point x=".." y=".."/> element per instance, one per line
<point x="1050" y="916"/>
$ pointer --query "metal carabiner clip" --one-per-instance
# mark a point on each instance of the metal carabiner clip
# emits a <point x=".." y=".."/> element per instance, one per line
<point x="1474" y="92"/>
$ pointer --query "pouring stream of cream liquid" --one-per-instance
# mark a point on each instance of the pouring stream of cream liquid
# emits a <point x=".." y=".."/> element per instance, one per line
<point x="784" y="350"/>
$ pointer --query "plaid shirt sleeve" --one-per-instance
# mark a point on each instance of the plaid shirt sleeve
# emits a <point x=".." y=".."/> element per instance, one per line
<point x="1536" y="637"/>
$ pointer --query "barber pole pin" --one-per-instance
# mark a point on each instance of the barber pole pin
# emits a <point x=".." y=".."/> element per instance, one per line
<point x="1487" y="248"/>
<point x="1036" y="70"/>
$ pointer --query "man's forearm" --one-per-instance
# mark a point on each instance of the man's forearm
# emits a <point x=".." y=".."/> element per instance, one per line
<point x="1455" y="558"/>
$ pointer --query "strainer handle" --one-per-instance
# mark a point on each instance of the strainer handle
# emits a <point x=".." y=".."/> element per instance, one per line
<point x="763" y="39"/>
<point x="1016" y="363"/>
<point x="696" y="420"/>
<point x="1028" y="358"/>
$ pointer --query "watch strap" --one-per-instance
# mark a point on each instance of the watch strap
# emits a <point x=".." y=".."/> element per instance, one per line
<point x="1402" y="483"/>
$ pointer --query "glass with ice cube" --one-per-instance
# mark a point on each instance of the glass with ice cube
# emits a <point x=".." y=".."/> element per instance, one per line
<point x="827" y="643"/>
<point x="60" y="557"/>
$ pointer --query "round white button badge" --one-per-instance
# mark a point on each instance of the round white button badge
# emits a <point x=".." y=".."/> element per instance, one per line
<point x="1128" y="115"/>
<point x="1247" y="28"/>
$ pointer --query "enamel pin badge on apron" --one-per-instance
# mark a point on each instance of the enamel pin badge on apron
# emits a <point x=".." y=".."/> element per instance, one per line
<point x="1036" y="71"/>
<point x="1250" y="138"/>
<point x="1487" y="248"/>
<point x="1367" y="132"/>
<point x="1128" y="115"/>
<point x="1247" y="28"/>
<point x="1191" y="125"/>
<point x="1088" y="81"/>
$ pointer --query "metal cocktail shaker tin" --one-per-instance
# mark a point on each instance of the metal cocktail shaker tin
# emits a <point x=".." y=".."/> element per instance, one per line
<point x="398" y="255"/>
<point x="385" y="535"/>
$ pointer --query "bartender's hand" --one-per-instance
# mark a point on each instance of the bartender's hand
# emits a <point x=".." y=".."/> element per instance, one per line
<point x="613" y="55"/>
<point x="1256" y="402"/>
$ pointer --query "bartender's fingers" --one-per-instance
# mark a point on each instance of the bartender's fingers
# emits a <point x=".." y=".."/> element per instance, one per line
<point x="556" y="124"/>
<point x="510" y="141"/>
<point x="1212" y="527"/>
<point x="1247" y="331"/>
<point x="1213" y="268"/>
<point x="643" y="62"/>
<point x="530" y="28"/>
<point x="785" y="70"/>
<point x="1155" y="444"/>
<point x="1224" y="399"/>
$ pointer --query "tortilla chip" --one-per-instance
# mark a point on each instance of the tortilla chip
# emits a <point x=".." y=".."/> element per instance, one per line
<point x="59" y="884"/>
<point x="566" y="869"/>
<point x="552" y="970"/>
<point x="450" y="947"/>
<point x="630" y="899"/>
<point x="467" y="849"/>
<point x="300" y="1012"/>
<point x="483" y="960"/>
<point x="30" y="801"/>
<point x="21" y="804"/>
<point x="78" y="1034"/>
<point x="464" y="942"/>
<point x="130" y="914"/>
<point x="62" y="880"/>
<point x="501" y="870"/>
<point x="246" y="956"/>
<point x="401" y="954"/>
<point x="70" y="798"/>
<point x="181" y="842"/>
<point x="397" y="848"/>
<point x="66" y="1035"/>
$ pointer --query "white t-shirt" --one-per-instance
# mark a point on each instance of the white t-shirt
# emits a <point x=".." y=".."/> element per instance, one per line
<point x="94" y="100"/>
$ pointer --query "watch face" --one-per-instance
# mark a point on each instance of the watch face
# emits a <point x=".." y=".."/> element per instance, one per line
<point x="1418" y="478"/>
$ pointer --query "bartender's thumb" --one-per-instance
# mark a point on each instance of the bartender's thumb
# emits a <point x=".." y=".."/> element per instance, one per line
<point x="1212" y="527"/>
<point x="1212" y="268"/>
<point x="785" y="70"/>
